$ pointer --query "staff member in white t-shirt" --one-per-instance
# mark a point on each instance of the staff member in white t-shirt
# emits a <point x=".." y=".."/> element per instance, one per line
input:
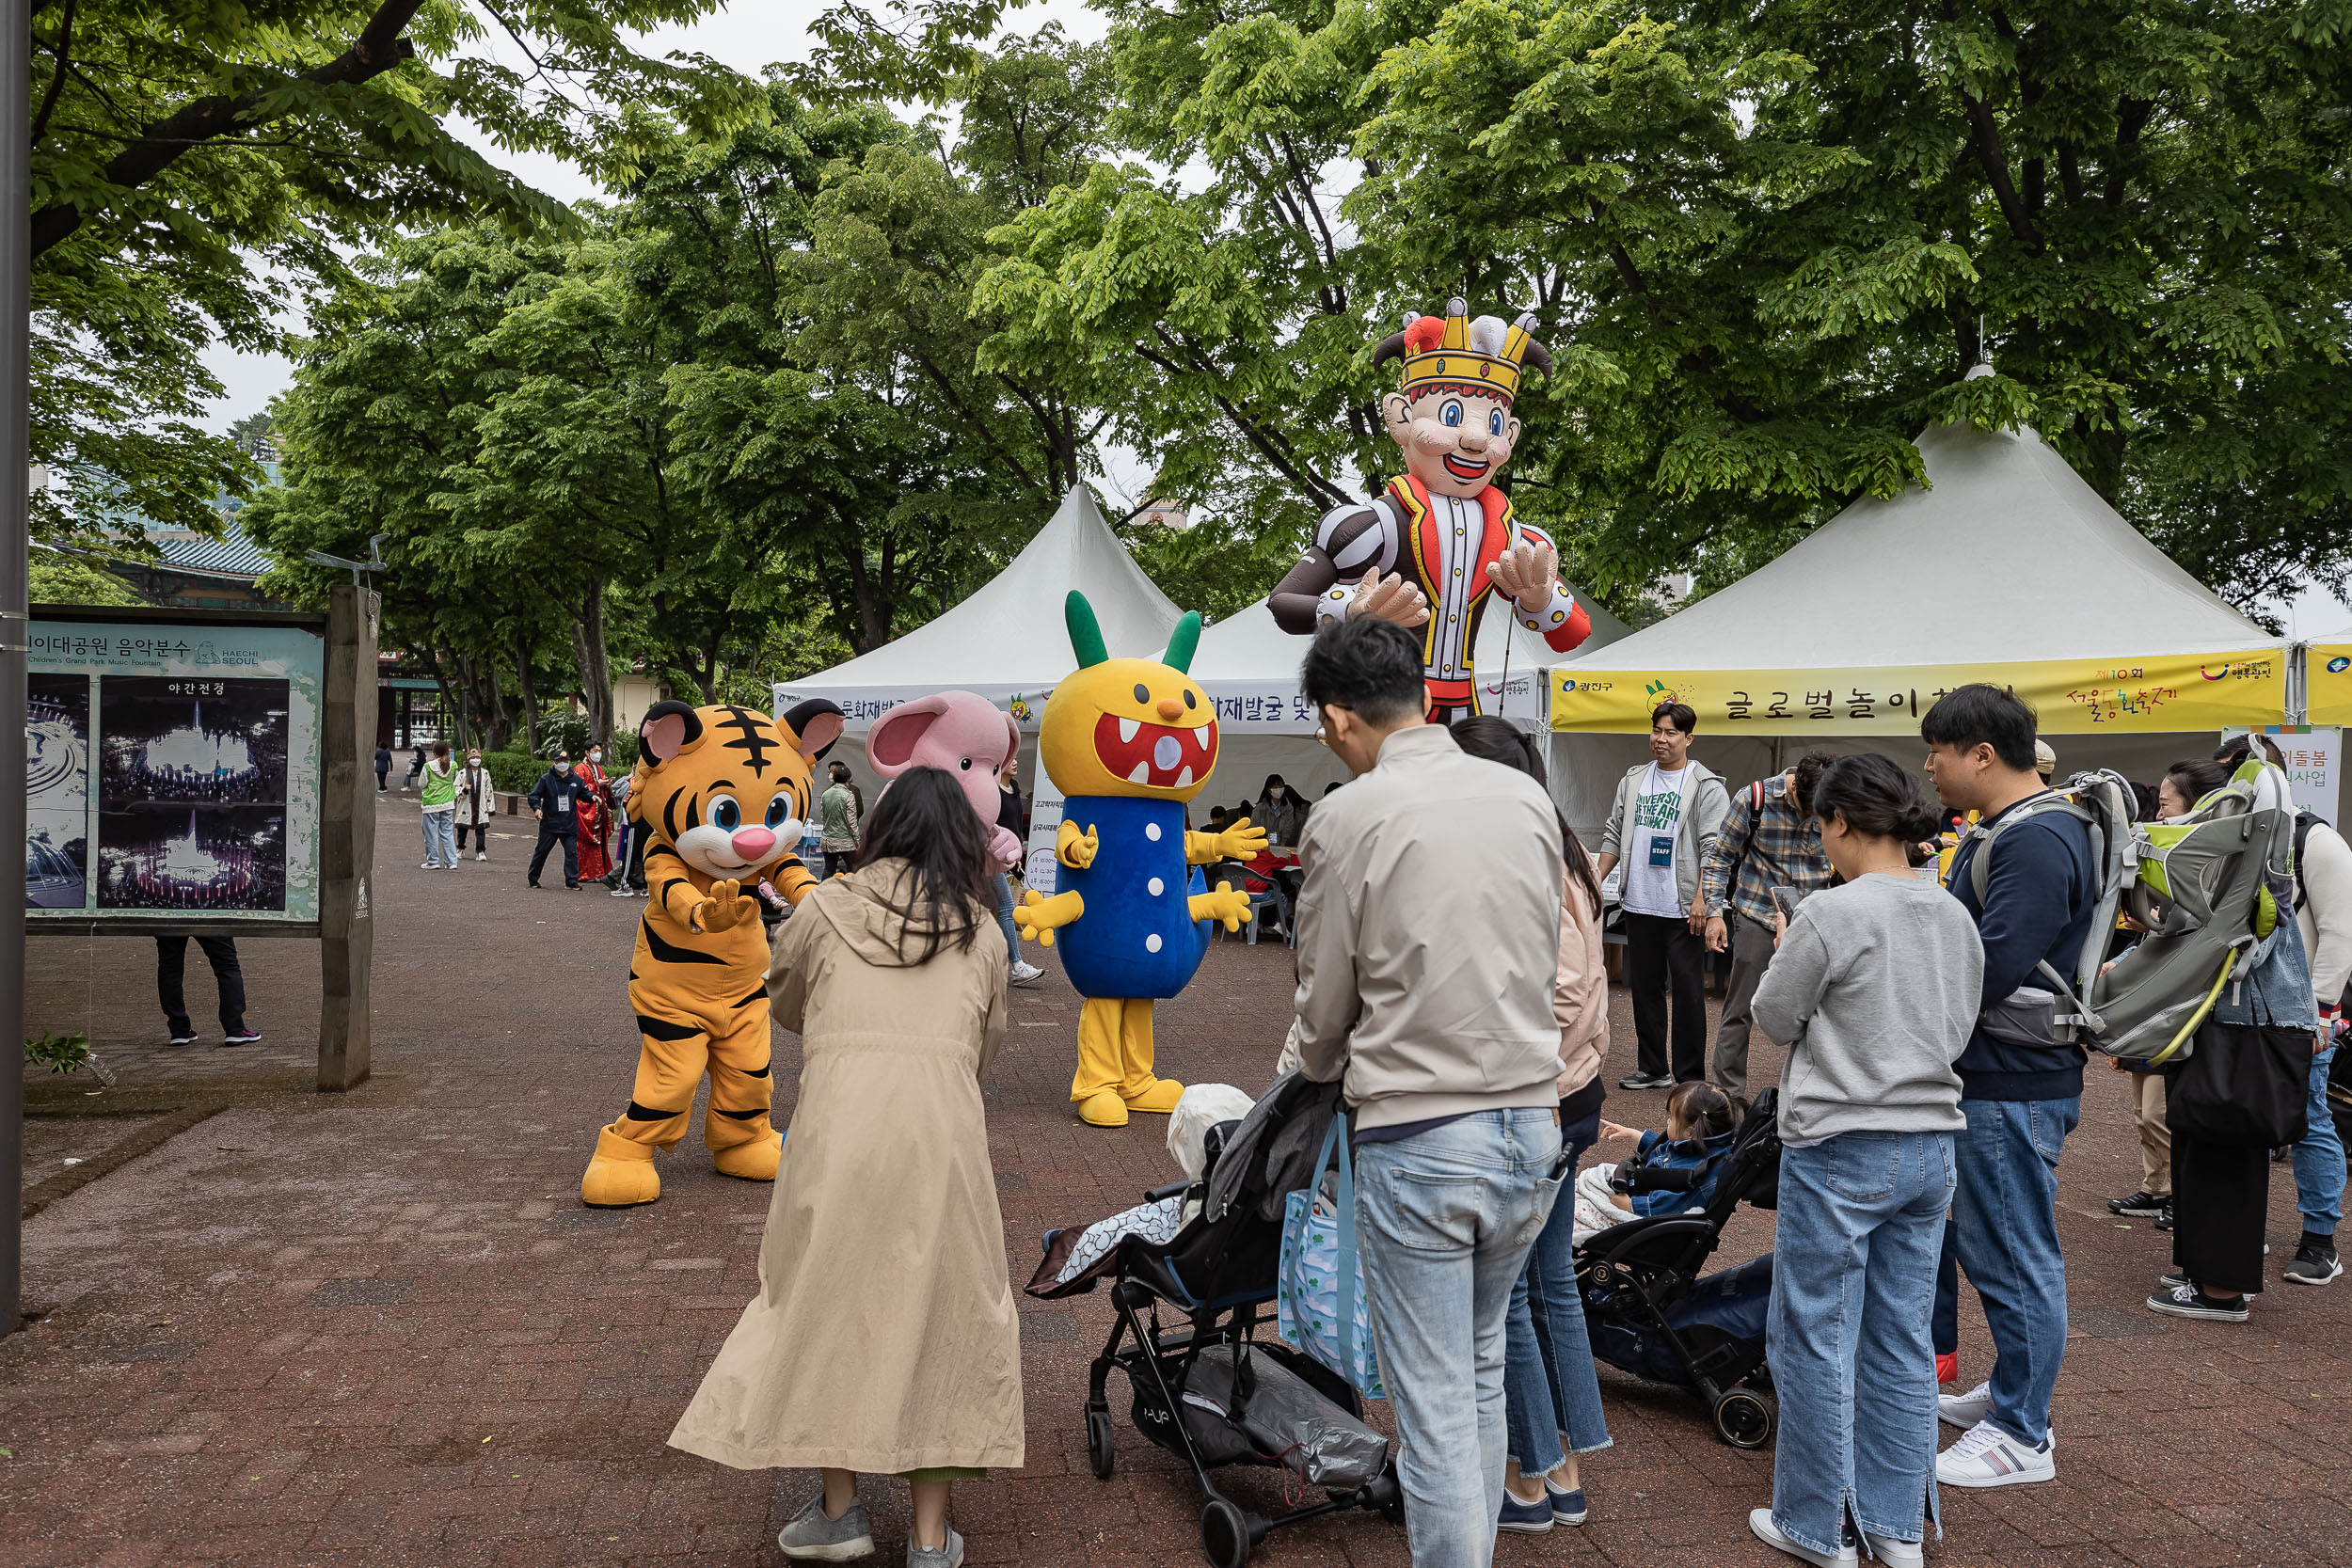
<point x="1667" y="816"/>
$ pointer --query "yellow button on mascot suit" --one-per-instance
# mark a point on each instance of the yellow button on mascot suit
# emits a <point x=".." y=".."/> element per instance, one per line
<point x="722" y="793"/>
<point x="1128" y="742"/>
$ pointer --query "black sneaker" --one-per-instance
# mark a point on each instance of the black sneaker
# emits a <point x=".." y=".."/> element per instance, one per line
<point x="1647" y="1081"/>
<point x="2163" y="1221"/>
<point x="2141" y="1205"/>
<point x="2315" y="1262"/>
<point x="185" y="1037"/>
<point x="2187" y="1301"/>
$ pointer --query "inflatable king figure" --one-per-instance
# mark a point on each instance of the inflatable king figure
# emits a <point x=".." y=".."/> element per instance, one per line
<point x="722" y="792"/>
<point x="1441" y="538"/>
<point x="1128" y="742"/>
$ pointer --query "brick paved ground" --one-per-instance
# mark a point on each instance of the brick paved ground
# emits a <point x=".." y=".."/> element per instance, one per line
<point x="380" y="1328"/>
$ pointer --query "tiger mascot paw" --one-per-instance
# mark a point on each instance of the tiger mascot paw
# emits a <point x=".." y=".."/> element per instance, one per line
<point x="621" y="1176"/>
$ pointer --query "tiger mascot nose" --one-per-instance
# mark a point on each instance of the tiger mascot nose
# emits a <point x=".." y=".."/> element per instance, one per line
<point x="753" y="844"/>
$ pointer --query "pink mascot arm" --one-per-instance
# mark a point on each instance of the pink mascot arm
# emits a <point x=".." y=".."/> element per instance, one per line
<point x="964" y="736"/>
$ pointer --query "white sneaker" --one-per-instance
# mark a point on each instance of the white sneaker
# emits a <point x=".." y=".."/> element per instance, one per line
<point x="1026" y="974"/>
<point x="482" y="854"/>
<point x="1965" y="1410"/>
<point x="1760" y="1521"/>
<point x="1900" y="1554"/>
<point x="1987" y="1456"/>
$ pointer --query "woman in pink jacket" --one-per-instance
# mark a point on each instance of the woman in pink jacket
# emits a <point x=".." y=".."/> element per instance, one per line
<point x="1551" y="1393"/>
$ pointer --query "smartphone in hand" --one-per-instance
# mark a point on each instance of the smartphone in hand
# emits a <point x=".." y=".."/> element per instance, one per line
<point x="1786" y="900"/>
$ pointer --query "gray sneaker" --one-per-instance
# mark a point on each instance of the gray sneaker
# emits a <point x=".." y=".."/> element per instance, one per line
<point x="811" y="1537"/>
<point x="949" y="1555"/>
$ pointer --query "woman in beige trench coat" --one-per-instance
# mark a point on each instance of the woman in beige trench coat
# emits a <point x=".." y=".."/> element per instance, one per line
<point x="883" y="1338"/>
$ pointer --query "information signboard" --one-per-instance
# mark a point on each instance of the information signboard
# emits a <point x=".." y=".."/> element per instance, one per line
<point x="173" y="770"/>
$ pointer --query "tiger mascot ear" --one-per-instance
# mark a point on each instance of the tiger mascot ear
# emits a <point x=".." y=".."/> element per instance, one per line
<point x="668" y="729"/>
<point x="815" y="725"/>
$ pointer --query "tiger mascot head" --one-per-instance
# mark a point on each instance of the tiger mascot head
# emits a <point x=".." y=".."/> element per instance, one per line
<point x="727" y="789"/>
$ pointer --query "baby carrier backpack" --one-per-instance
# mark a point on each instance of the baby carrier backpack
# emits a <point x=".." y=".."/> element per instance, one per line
<point x="2206" y="889"/>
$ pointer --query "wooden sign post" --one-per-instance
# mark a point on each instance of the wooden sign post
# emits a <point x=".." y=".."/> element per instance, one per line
<point x="347" y="838"/>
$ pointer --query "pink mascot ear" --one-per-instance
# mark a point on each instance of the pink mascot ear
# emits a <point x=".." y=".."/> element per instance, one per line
<point x="1012" y="737"/>
<point x="898" y="735"/>
<point x="667" y="729"/>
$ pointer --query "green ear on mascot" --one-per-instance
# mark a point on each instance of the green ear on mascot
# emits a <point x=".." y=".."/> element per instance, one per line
<point x="1128" y="742"/>
<point x="1440" y="540"/>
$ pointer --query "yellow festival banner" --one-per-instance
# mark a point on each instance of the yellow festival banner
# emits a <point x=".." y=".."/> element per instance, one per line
<point x="2326" y="684"/>
<point x="2071" y="696"/>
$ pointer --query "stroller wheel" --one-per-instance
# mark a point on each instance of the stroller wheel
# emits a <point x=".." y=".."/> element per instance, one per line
<point x="1100" y="1453"/>
<point x="1744" y="1419"/>
<point x="1228" y="1534"/>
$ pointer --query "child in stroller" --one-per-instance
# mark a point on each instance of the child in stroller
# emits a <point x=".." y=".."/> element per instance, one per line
<point x="1650" y="1313"/>
<point x="1204" y="1386"/>
<point x="1671" y="1170"/>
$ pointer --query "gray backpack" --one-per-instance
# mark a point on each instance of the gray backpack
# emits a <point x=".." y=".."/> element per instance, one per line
<point x="2197" y="885"/>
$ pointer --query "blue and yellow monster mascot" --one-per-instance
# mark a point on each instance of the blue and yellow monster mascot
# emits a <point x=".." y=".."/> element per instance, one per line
<point x="1128" y="742"/>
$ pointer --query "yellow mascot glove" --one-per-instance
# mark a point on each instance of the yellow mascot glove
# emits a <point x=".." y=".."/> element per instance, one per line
<point x="1241" y="841"/>
<point x="1074" y="846"/>
<point x="1223" y="905"/>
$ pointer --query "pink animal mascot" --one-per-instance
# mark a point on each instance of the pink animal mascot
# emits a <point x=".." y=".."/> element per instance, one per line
<point x="961" y="733"/>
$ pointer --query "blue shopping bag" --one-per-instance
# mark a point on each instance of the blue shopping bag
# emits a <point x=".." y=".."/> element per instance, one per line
<point x="1319" y="1282"/>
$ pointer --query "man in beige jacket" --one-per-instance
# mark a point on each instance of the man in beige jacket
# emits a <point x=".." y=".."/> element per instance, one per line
<point x="1429" y="938"/>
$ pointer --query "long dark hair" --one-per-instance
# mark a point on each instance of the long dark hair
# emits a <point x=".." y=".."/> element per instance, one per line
<point x="924" y="820"/>
<point x="2195" y="778"/>
<point x="1499" y="740"/>
<point x="1878" y="797"/>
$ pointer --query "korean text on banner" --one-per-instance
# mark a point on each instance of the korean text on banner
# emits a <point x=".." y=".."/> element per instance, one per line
<point x="2071" y="696"/>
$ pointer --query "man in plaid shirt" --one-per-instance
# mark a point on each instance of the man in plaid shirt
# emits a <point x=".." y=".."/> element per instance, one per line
<point x="1769" y="839"/>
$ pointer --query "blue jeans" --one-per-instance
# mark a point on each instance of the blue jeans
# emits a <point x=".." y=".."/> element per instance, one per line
<point x="1001" y="885"/>
<point x="2319" y="1158"/>
<point x="1548" y="1383"/>
<point x="2005" y="1229"/>
<point x="1853" y="1280"/>
<point x="440" y="837"/>
<point x="1445" y="1220"/>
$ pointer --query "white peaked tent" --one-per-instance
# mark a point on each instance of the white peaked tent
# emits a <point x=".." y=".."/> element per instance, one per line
<point x="2007" y="568"/>
<point x="1007" y="640"/>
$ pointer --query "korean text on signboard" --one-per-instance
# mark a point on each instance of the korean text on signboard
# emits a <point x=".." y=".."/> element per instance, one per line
<point x="172" y="769"/>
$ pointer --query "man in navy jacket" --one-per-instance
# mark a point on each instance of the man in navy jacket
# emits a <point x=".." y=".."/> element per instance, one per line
<point x="2041" y="896"/>
<point x="556" y="797"/>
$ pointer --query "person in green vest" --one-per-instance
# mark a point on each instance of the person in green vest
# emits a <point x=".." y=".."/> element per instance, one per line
<point x="438" y="793"/>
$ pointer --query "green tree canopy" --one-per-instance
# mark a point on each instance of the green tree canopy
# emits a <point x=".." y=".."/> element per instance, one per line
<point x="191" y="164"/>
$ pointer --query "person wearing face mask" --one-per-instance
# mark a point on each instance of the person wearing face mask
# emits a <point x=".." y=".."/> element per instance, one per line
<point x="1280" y="811"/>
<point x="477" y="802"/>
<point x="556" y="797"/>
<point x="595" y="820"/>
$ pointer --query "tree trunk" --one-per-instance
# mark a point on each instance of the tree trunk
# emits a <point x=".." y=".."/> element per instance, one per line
<point x="531" y="700"/>
<point x="595" y="669"/>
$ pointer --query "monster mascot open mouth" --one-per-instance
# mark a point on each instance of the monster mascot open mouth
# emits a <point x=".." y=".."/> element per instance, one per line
<point x="1128" y="742"/>
<point x="722" y="793"/>
<point x="1441" y="540"/>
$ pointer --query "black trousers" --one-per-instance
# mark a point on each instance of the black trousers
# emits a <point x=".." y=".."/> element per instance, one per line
<point x="2220" y="1199"/>
<point x="1664" y="955"/>
<point x="636" y="874"/>
<point x="483" y="844"/>
<point x="549" y="839"/>
<point x="381" y="774"/>
<point x="172" y="962"/>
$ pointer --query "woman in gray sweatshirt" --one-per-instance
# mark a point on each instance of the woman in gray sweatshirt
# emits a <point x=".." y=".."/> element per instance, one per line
<point x="1874" y="989"/>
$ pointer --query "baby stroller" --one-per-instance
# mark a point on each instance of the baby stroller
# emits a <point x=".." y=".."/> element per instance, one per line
<point x="1652" y="1314"/>
<point x="1203" y="1387"/>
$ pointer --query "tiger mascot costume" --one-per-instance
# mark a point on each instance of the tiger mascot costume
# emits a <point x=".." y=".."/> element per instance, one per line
<point x="722" y="793"/>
